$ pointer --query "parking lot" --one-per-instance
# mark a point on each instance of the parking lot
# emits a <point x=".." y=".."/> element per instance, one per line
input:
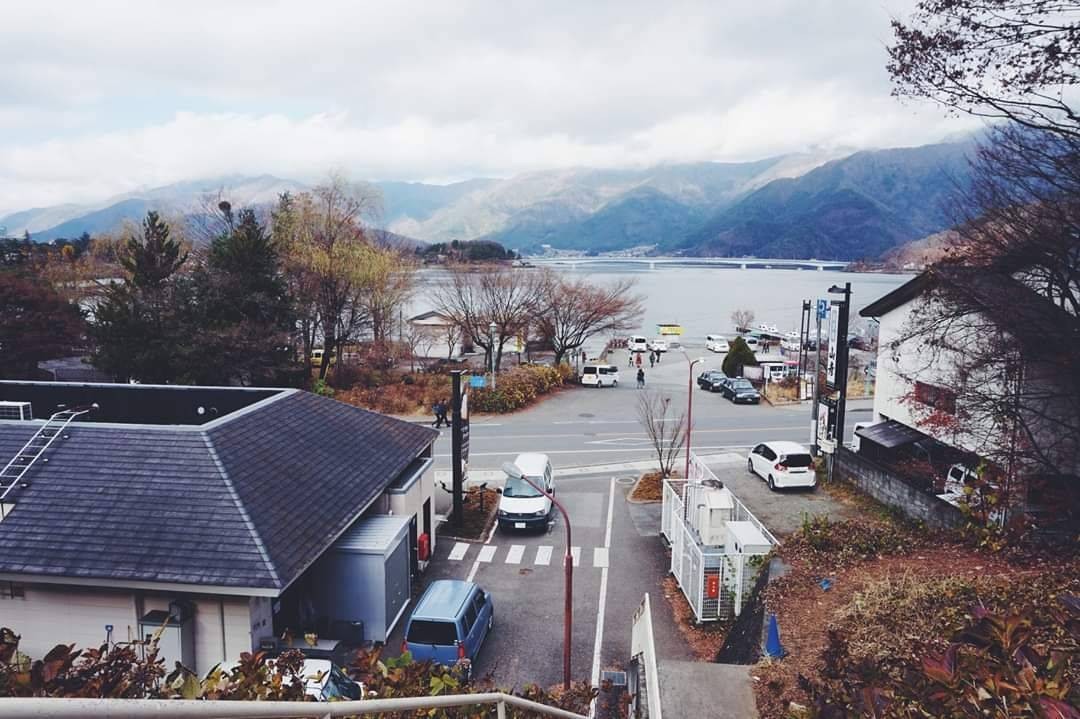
<point x="618" y="557"/>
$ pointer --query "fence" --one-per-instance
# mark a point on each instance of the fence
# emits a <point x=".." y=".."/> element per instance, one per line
<point x="645" y="678"/>
<point x="715" y="580"/>
<point x="183" y="709"/>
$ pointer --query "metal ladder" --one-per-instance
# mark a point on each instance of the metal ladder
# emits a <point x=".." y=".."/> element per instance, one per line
<point x="13" y="472"/>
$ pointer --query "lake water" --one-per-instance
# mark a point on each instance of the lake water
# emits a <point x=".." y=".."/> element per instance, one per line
<point x="701" y="299"/>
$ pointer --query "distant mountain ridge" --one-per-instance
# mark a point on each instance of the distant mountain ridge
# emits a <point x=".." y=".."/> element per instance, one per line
<point x="825" y="204"/>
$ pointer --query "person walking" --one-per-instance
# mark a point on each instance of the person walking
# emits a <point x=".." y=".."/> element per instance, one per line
<point x="640" y="378"/>
<point x="637" y="359"/>
<point x="652" y="360"/>
<point x="630" y="358"/>
<point x="439" y="408"/>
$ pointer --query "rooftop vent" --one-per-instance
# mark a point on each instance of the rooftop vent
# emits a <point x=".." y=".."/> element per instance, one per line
<point x="16" y="410"/>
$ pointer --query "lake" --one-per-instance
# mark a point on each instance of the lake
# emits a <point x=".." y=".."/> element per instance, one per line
<point x="701" y="299"/>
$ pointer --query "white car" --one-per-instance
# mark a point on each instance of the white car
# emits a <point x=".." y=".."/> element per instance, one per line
<point x="637" y="343"/>
<point x="782" y="465"/>
<point x="521" y="506"/>
<point x="658" y="345"/>
<point x="600" y="375"/>
<point x="716" y="343"/>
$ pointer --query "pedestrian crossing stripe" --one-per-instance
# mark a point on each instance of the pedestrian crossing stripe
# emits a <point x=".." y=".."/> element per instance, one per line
<point x="546" y="555"/>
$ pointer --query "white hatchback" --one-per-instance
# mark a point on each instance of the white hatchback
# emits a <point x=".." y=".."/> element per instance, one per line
<point x="782" y="465"/>
<point x="658" y="345"/>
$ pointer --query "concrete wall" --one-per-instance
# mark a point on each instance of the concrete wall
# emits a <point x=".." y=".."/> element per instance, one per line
<point x="889" y="489"/>
<point x="58" y="614"/>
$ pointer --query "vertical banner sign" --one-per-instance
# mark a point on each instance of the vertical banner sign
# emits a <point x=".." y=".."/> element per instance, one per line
<point x="459" y="442"/>
<point x="826" y="422"/>
<point x="834" y="347"/>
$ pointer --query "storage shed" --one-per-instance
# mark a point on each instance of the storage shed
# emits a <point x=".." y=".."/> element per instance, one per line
<point x="364" y="576"/>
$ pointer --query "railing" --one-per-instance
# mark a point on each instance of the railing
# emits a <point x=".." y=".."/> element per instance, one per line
<point x="184" y="709"/>
<point x="700" y="472"/>
<point x="646" y="689"/>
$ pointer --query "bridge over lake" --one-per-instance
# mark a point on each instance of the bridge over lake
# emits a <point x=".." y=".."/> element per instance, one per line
<point x="739" y="263"/>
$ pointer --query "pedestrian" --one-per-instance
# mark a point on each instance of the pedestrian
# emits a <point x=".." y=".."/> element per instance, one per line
<point x="652" y="359"/>
<point x="439" y="408"/>
<point x="637" y="359"/>
<point x="640" y="378"/>
<point x="630" y="359"/>
<point x="657" y="356"/>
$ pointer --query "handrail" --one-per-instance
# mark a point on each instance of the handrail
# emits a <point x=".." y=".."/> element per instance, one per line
<point x="38" y="708"/>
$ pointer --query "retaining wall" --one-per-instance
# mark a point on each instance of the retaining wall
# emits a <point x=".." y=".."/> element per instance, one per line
<point x="884" y="486"/>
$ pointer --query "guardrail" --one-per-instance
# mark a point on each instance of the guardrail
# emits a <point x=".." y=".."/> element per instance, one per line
<point x="40" y="708"/>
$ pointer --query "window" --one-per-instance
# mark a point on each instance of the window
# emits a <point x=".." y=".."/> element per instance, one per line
<point x="939" y="398"/>
<point x="470" y="617"/>
<point x="798" y="460"/>
<point x="768" y="453"/>
<point x="11" y="590"/>
<point x="422" y="631"/>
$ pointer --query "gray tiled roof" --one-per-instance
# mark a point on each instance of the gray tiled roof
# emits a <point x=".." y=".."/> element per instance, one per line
<point x="247" y="502"/>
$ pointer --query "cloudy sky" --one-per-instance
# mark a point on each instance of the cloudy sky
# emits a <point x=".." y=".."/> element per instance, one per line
<point x="98" y="98"/>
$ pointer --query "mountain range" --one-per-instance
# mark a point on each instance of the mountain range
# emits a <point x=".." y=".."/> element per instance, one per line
<point x="834" y="205"/>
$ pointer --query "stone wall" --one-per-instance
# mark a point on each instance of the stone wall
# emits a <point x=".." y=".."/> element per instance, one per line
<point x="884" y="486"/>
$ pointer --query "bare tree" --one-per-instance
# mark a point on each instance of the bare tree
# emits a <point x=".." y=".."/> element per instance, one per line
<point x="742" y="318"/>
<point x="1011" y="59"/>
<point x="666" y="430"/>
<point x="571" y="311"/>
<point x="475" y="297"/>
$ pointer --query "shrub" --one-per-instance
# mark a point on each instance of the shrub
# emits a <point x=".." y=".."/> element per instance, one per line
<point x="520" y="386"/>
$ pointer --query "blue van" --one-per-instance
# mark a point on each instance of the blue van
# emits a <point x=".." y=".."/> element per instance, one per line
<point x="450" y="622"/>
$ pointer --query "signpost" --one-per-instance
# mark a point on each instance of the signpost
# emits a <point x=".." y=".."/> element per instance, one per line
<point x="459" y="440"/>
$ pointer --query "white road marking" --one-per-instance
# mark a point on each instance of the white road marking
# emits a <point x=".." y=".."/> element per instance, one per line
<point x="598" y="642"/>
<point x="487" y="553"/>
<point x="480" y="557"/>
<point x="543" y="555"/>
<point x="517" y="551"/>
<point x="458" y="552"/>
<point x="575" y="552"/>
<point x="600" y="557"/>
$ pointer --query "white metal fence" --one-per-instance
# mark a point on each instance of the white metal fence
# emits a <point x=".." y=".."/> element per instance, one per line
<point x="645" y="678"/>
<point x="716" y="581"/>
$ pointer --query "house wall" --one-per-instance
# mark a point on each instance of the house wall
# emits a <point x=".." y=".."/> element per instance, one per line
<point x="900" y="358"/>
<point x="60" y="614"/>
<point x="890" y="490"/>
<point x="411" y="502"/>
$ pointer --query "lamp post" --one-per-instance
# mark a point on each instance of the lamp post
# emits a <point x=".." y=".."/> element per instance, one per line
<point x="492" y="329"/>
<point x="512" y="470"/>
<point x="690" y="407"/>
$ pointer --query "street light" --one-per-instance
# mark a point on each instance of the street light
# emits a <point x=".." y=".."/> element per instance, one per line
<point x="690" y="407"/>
<point x="492" y="329"/>
<point x="512" y="470"/>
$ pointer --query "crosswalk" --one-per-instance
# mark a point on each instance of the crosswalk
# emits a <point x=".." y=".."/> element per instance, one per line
<point x="544" y="555"/>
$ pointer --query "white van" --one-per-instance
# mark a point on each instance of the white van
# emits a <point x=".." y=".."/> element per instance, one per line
<point x="716" y="343"/>
<point x="638" y="343"/>
<point x="600" y="375"/>
<point x="521" y="506"/>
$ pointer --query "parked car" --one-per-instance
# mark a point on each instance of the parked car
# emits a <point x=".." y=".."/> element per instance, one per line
<point x="600" y="375"/>
<point x="658" y="345"/>
<point x="739" y="389"/>
<point x="521" y="506"/>
<point x="712" y="380"/>
<point x="751" y="342"/>
<point x="858" y="342"/>
<point x="716" y="343"/>
<point x="317" y="357"/>
<point x="450" y="622"/>
<point x="638" y="343"/>
<point x="324" y="681"/>
<point x="782" y="465"/>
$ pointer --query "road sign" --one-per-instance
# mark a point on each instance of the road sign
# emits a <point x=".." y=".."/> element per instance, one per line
<point x="477" y="381"/>
<point x="822" y="309"/>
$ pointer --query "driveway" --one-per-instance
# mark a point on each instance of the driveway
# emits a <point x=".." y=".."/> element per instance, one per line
<point x="781" y="511"/>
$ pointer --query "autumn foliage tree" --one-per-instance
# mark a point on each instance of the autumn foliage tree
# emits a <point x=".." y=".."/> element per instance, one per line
<point x="36" y="324"/>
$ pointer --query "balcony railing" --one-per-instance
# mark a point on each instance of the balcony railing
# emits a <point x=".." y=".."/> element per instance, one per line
<point x="184" y="709"/>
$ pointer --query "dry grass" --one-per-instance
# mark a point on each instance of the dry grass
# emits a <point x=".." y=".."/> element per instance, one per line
<point x="704" y="639"/>
<point x="649" y="488"/>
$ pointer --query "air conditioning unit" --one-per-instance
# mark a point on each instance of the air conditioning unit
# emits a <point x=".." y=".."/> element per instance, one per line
<point x="746" y="538"/>
<point x="713" y="509"/>
<point x="16" y="410"/>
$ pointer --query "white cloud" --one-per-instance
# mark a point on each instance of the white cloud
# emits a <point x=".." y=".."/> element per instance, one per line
<point x="104" y="97"/>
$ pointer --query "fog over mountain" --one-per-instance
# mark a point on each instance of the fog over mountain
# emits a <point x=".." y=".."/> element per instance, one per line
<point x="837" y="205"/>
